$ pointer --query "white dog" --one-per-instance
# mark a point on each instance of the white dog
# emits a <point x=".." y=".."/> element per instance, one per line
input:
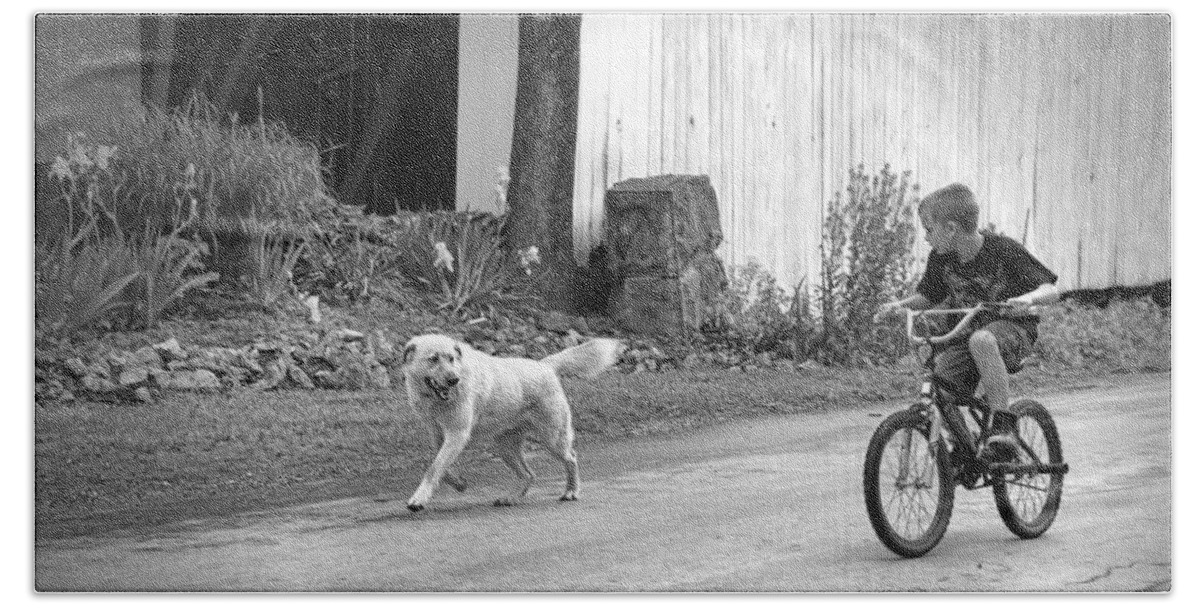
<point x="463" y="393"/>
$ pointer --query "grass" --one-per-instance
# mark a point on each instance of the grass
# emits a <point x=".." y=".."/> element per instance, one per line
<point x="104" y="466"/>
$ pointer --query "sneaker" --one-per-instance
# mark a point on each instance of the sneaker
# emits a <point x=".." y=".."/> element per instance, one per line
<point x="1002" y="445"/>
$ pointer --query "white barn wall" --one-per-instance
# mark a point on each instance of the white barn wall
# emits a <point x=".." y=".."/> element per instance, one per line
<point x="1061" y="119"/>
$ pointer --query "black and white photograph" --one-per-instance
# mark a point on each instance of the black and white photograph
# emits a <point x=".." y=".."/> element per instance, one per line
<point x="579" y="302"/>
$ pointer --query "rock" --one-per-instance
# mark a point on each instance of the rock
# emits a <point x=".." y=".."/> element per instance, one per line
<point x="348" y="335"/>
<point x="194" y="380"/>
<point x="691" y="361"/>
<point x="297" y="375"/>
<point x="517" y="350"/>
<point x="142" y="394"/>
<point x="171" y="350"/>
<point x="96" y="384"/>
<point x="77" y="367"/>
<point x="146" y="356"/>
<point x="133" y="376"/>
<point x="249" y="360"/>
<point x="276" y="371"/>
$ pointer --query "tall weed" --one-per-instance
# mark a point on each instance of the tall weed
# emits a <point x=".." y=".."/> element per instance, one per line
<point x="756" y="313"/>
<point x="866" y="259"/>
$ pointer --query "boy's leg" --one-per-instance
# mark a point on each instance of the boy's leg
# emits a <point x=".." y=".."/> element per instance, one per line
<point x="955" y="369"/>
<point x="996" y="348"/>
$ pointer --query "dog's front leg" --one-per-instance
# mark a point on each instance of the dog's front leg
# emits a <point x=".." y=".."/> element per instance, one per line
<point x="436" y="441"/>
<point x="452" y="445"/>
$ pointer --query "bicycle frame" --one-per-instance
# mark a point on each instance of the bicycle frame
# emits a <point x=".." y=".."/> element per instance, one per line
<point x="948" y="427"/>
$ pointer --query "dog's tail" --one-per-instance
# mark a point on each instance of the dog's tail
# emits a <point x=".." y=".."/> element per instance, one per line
<point x="588" y="359"/>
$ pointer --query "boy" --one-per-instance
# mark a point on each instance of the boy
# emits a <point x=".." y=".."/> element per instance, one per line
<point x="965" y="267"/>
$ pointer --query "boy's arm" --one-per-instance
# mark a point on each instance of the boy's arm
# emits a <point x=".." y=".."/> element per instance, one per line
<point x="913" y="302"/>
<point x="1046" y="293"/>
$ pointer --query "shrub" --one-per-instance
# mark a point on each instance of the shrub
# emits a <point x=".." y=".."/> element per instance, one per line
<point x="460" y="261"/>
<point x="104" y="265"/>
<point x="272" y="263"/>
<point x="233" y="173"/>
<point x="80" y="282"/>
<point x="452" y="261"/>
<point x="1124" y="337"/>
<point x="753" y="313"/>
<point x="866" y="259"/>
<point x="351" y="258"/>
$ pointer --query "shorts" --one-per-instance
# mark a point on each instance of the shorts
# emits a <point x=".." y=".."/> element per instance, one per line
<point x="955" y="368"/>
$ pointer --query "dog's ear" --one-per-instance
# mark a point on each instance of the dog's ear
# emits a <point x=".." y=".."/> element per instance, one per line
<point x="409" y="349"/>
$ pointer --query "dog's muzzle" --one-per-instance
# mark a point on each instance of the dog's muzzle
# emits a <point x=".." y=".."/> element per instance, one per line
<point x="442" y="392"/>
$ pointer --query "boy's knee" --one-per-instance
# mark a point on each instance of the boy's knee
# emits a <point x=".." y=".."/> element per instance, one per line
<point x="983" y="342"/>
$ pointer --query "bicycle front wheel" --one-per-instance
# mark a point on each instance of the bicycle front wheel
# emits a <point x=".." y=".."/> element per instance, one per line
<point x="907" y="484"/>
<point x="1029" y="502"/>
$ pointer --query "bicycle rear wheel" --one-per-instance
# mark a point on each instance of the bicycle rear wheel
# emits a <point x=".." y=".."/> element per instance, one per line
<point x="907" y="485"/>
<point x="1029" y="502"/>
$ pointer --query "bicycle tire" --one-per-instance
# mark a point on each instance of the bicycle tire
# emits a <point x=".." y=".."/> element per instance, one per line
<point x="1029" y="503"/>
<point x="932" y="470"/>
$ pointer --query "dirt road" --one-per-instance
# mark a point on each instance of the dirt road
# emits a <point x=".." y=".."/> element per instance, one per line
<point x="765" y="505"/>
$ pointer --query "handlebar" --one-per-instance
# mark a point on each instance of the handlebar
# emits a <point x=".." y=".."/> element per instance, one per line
<point x="969" y="315"/>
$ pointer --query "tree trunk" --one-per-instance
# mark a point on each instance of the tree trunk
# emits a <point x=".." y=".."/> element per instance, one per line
<point x="542" y="166"/>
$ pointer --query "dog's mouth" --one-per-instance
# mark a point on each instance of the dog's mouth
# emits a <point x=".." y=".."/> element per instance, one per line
<point x="442" y="392"/>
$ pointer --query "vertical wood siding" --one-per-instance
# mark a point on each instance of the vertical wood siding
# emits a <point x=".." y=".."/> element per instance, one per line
<point x="1061" y="125"/>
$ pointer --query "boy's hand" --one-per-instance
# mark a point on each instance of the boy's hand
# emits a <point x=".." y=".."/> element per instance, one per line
<point x="1020" y="302"/>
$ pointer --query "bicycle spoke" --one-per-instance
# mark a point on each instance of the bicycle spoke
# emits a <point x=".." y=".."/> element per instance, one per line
<point x="908" y="480"/>
<point x="1029" y="486"/>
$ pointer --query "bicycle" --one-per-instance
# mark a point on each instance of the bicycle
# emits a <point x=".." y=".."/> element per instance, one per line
<point x="918" y="455"/>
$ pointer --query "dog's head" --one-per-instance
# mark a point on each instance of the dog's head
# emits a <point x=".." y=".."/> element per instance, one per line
<point x="434" y="361"/>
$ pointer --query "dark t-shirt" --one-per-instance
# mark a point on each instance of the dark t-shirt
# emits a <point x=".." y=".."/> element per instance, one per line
<point x="1002" y="269"/>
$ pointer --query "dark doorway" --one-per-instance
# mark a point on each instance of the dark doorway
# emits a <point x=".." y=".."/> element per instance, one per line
<point x="377" y="94"/>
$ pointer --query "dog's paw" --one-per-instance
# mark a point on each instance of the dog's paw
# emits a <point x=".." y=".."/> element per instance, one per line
<point x="571" y="496"/>
<point x="416" y="507"/>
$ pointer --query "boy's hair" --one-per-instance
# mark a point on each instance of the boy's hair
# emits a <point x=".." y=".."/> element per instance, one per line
<point x="953" y="203"/>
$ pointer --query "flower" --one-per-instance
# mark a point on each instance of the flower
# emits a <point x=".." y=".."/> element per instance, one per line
<point x="444" y="258"/>
<point x="61" y="168"/>
<point x="103" y="154"/>
<point x="529" y="256"/>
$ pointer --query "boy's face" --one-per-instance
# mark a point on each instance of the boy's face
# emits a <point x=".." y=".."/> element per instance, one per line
<point x="939" y="235"/>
